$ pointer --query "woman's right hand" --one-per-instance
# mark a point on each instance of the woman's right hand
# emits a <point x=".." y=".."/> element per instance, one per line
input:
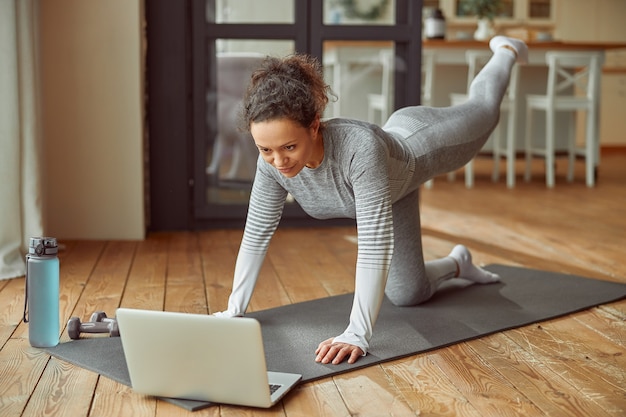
<point x="331" y="352"/>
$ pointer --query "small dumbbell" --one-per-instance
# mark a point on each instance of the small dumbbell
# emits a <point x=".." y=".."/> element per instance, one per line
<point x="100" y="316"/>
<point x="99" y="324"/>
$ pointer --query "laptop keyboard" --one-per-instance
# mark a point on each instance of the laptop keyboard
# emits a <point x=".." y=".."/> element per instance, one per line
<point x="274" y="388"/>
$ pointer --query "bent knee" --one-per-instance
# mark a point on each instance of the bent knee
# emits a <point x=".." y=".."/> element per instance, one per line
<point x="406" y="298"/>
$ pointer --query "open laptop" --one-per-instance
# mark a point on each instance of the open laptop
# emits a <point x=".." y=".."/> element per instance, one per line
<point x="199" y="357"/>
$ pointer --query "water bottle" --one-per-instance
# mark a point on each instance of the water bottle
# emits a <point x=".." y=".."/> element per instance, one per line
<point x="42" y="292"/>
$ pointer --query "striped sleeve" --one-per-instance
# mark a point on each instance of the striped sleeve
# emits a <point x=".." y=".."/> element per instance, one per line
<point x="265" y="209"/>
<point x="375" y="249"/>
<point x="267" y="200"/>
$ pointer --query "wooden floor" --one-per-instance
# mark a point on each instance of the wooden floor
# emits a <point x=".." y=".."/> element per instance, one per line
<point x="571" y="366"/>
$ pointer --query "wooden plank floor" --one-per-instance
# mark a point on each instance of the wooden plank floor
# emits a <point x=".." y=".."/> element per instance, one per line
<point x="571" y="366"/>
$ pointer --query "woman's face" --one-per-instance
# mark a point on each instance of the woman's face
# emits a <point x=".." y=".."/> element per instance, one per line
<point x="287" y="145"/>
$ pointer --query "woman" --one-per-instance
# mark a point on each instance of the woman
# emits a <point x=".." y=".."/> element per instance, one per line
<point x="347" y="168"/>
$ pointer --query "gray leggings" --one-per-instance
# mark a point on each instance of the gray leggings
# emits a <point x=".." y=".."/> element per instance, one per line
<point x="442" y="140"/>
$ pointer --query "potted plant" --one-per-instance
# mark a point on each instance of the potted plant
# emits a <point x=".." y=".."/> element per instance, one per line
<point x="485" y="11"/>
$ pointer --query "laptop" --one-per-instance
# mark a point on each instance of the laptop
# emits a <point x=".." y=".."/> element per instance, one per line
<point x="199" y="357"/>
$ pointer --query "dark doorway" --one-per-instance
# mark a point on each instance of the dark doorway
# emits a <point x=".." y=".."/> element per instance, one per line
<point x="201" y="169"/>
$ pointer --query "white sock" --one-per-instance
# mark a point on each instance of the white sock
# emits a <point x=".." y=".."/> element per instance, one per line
<point x="468" y="270"/>
<point x="440" y="270"/>
<point x="521" y="50"/>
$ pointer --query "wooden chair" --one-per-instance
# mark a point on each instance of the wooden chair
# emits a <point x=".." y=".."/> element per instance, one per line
<point x="573" y="86"/>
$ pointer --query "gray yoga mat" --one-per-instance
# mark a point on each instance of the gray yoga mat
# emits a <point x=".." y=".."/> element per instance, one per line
<point x="459" y="311"/>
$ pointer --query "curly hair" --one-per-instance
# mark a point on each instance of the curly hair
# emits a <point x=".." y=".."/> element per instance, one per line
<point x="292" y="87"/>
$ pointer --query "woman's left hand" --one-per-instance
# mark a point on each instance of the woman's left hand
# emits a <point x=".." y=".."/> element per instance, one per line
<point x="335" y="353"/>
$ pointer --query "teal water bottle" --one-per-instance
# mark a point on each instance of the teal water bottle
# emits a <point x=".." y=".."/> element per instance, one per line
<point x="42" y="292"/>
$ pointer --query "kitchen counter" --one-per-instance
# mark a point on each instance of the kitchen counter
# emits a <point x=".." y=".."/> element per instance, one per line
<point x="453" y="51"/>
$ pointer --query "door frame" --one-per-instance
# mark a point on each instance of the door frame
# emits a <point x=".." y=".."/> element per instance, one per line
<point x="178" y="65"/>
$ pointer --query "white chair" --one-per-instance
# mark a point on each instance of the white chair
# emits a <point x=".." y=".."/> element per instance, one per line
<point x="429" y="60"/>
<point x="476" y="60"/>
<point x="382" y="102"/>
<point x="573" y="86"/>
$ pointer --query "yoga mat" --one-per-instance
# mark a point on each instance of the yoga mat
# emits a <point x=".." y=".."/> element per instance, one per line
<point x="459" y="311"/>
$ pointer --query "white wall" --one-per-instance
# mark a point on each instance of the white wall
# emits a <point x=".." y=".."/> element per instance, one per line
<point x="597" y="20"/>
<point x="602" y="21"/>
<point x="92" y="105"/>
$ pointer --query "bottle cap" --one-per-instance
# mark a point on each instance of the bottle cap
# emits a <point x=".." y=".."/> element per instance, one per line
<point x="42" y="246"/>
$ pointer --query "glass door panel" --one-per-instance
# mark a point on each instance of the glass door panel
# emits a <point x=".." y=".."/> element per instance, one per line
<point x="231" y="37"/>
<point x="251" y="11"/>
<point x="231" y="155"/>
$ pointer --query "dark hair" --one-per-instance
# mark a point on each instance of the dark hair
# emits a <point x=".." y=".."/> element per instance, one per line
<point x="292" y="87"/>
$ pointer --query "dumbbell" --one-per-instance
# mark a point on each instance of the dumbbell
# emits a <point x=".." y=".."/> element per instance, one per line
<point x="100" y="316"/>
<point x="98" y="323"/>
